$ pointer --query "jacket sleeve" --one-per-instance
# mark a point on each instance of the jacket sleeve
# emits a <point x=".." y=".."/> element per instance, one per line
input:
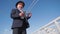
<point x="14" y="14"/>
<point x="28" y="17"/>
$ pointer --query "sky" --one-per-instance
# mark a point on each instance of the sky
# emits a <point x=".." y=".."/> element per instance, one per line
<point x="43" y="12"/>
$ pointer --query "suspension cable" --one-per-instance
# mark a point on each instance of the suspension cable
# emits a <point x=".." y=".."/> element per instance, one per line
<point x="32" y="5"/>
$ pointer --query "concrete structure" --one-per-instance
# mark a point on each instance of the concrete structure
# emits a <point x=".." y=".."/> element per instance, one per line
<point x="51" y="28"/>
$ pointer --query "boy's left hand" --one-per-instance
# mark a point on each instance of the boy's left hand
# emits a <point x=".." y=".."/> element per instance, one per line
<point x="29" y="14"/>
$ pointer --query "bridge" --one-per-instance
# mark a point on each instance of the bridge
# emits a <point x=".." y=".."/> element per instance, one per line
<point x="52" y="27"/>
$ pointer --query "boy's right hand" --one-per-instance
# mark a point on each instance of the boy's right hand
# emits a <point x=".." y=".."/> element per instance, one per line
<point x="21" y="14"/>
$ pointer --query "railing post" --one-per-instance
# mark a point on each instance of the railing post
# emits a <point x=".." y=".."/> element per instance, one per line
<point x="57" y="26"/>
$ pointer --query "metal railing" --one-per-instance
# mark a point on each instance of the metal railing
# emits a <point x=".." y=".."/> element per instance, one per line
<point x="51" y="28"/>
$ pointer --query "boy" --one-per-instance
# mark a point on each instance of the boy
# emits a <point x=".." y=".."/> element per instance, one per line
<point x="20" y="20"/>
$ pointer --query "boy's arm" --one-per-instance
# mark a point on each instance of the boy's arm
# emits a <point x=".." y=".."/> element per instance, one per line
<point x="29" y="15"/>
<point x="14" y="14"/>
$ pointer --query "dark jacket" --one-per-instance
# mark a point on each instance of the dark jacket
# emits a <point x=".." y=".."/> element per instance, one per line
<point x="17" y="21"/>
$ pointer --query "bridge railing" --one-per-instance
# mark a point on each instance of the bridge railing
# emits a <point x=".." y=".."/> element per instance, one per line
<point x="52" y="27"/>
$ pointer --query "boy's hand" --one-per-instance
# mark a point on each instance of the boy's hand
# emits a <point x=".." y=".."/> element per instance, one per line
<point x="21" y="14"/>
<point x="29" y="14"/>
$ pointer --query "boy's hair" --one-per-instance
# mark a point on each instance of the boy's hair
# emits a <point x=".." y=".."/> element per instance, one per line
<point x="20" y="2"/>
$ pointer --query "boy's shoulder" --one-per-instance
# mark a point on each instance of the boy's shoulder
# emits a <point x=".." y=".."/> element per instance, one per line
<point x="14" y="9"/>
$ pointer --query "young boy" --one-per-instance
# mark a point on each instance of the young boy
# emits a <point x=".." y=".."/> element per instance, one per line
<point x="20" y="20"/>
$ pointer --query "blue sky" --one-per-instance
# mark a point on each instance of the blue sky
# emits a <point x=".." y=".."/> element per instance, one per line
<point x="42" y="13"/>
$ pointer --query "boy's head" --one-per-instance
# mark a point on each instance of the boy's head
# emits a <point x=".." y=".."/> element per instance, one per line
<point x="20" y="4"/>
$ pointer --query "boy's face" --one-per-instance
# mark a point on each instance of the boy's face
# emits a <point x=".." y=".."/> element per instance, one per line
<point x="20" y="6"/>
